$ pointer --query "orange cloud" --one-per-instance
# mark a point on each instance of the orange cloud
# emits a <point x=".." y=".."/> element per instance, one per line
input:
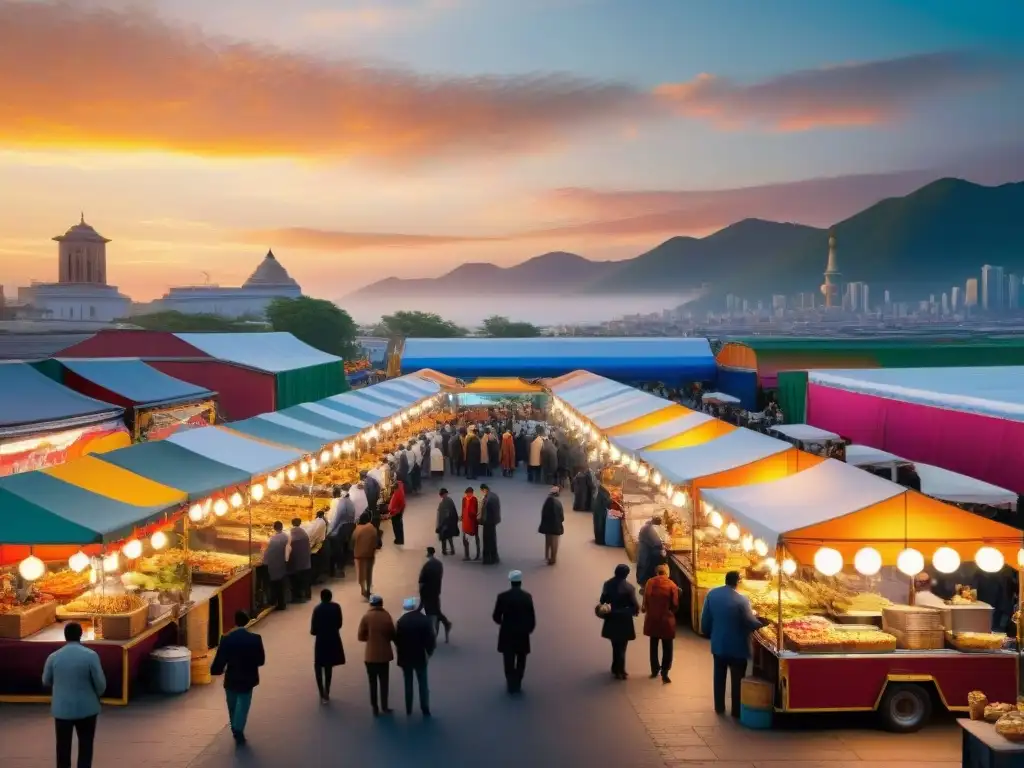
<point x="850" y="95"/>
<point x="338" y="240"/>
<point x="87" y="78"/>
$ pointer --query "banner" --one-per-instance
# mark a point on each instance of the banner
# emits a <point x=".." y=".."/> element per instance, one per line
<point x="24" y="454"/>
<point x="159" y="423"/>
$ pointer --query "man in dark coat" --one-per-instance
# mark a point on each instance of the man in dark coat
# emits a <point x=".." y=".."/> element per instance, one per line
<point x="549" y="462"/>
<point x="622" y="607"/>
<point x="473" y="468"/>
<point x="275" y="559"/>
<point x="239" y="658"/>
<point x="552" y="519"/>
<point x="328" y="652"/>
<point x="402" y="472"/>
<point x="563" y="460"/>
<point x="582" y="491"/>
<point x="431" y="575"/>
<point x="372" y="489"/>
<point x="447" y="526"/>
<point x="599" y="509"/>
<point x="415" y="642"/>
<point x="490" y="517"/>
<point x="457" y="453"/>
<point x="513" y="612"/>
<point x="300" y="562"/>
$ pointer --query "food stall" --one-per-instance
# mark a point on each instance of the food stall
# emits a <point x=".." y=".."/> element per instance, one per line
<point x="839" y="550"/>
<point x="820" y="442"/>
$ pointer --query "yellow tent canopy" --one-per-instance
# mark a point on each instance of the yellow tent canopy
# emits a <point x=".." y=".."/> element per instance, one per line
<point x="110" y="480"/>
<point x="651" y="420"/>
<point x="703" y="433"/>
<point x="446" y="381"/>
<point x="502" y="386"/>
<point x="568" y="380"/>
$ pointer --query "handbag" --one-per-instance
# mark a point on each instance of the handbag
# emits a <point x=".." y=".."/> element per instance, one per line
<point x="602" y="610"/>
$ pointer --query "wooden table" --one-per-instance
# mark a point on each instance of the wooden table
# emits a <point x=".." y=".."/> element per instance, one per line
<point x="984" y="748"/>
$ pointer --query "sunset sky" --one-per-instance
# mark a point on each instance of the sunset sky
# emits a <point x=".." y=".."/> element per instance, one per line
<point x="366" y="138"/>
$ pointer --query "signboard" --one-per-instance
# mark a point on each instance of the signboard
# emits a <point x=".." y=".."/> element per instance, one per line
<point x="24" y="454"/>
<point x="160" y="423"/>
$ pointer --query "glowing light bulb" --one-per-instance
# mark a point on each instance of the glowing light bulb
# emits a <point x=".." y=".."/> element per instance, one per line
<point x="773" y="567"/>
<point x="605" y="447"/>
<point x="256" y="492"/>
<point x="910" y="562"/>
<point x="313" y="465"/>
<point x="111" y="563"/>
<point x="614" y="454"/>
<point x="788" y="566"/>
<point x="989" y="559"/>
<point x="133" y="549"/>
<point x="678" y="499"/>
<point x="946" y="560"/>
<point x="78" y="562"/>
<point x="715" y="518"/>
<point x="304" y="468"/>
<point x="867" y="561"/>
<point x="336" y="450"/>
<point x="291" y="474"/>
<point x="1020" y="557"/>
<point x="828" y="561"/>
<point x="31" y="568"/>
<point x="656" y="478"/>
<point x="642" y="472"/>
<point x="747" y="542"/>
<point x="760" y="547"/>
<point x="325" y="457"/>
<point x="236" y="497"/>
<point x="220" y="508"/>
<point x="273" y="483"/>
<point x="158" y="540"/>
<point x="732" y="532"/>
<point x="195" y="513"/>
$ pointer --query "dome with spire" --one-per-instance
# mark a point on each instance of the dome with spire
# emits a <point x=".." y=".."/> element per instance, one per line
<point x="81" y="233"/>
<point x="269" y="273"/>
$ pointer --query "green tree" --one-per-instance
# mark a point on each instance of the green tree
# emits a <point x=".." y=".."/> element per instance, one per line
<point x="179" y="322"/>
<point x="499" y="327"/>
<point x="423" y="325"/>
<point x="319" y="323"/>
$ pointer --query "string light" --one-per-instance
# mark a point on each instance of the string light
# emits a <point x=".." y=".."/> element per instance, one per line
<point x="989" y="559"/>
<point x="31" y="568"/>
<point x="236" y="497"/>
<point x="867" y="561"/>
<point x="78" y="562"/>
<point x="910" y="562"/>
<point x="732" y="532"/>
<point x="158" y="540"/>
<point x="256" y="492"/>
<point x="111" y="563"/>
<point x="195" y="513"/>
<point x="133" y="549"/>
<point x="220" y="508"/>
<point x="760" y="547"/>
<point x="828" y="561"/>
<point x="291" y="474"/>
<point x="747" y="542"/>
<point x="788" y="566"/>
<point x="946" y="560"/>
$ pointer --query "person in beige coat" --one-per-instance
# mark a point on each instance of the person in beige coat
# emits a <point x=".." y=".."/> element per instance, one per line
<point x="377" y="630"/>
<point x="364" y="550"/>
<point x="533" y="472"/>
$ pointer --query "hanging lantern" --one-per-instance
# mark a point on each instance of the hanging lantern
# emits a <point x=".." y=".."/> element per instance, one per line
<point x="946" y="560"/>
<point x="111" y="563"/>
<point x="1020" y="557"/>
<point x="291" y="474"/>
<point x="910" y="562"/>
<point x="272" y="483"/>
<point x="78" y="562"/>
<point x="747" y="542"/>
<point x="732" y="532"/>
<point x="236" y="497"/>
<point x="158" y="540"/>
<point x="789" y="566"/>
<point x="195" y="513"/>
<point x="31" y="568"/>
<point x="220" y="508"/>
<point x="656" y="478"/>
<point x="304" y="468"/>
<point x="256" y="492"/>
<point x="133" y="549"/>
<point x="313" y="465"/>
<point x="678" y="499"/>
<point x="828" y="561"/>
<point x="989" y="559"/>
<point x="715" y="518"/>
<point x="771" y="565"/>
<point x="760" y="547"/>
<point x="325" y="457"/>
<point x="867" y="561"/>
<point x="336" y="450"/>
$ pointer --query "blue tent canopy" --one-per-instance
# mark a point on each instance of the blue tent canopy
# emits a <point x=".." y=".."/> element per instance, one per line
<point x="357" y="377"/>
<point x="31" y="402"/>
<point x="416" y="384"/>
<point x="37" y="508"/>
<point x="261" y="429"/>
<point x="168" y="464"/>
<point x="670" y="360"/>
<point x="627" y="411"/>
<point x="394" y="390"/>
<point x="360" y="405"/>
<point x="318" y="415"/>
<point x="592" y="393"/>
<point x="133" y="380"/>
<point x="394" y="401"/>
<point x="326" y="433"/>
<point x="235" y="450"/>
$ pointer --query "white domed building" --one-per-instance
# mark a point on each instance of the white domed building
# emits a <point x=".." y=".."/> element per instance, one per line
<point x="269" y="281"/>
<point x="81" y="292"/>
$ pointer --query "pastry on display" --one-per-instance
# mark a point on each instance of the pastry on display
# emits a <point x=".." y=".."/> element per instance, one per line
<point x="64" y="585"/>
<point x="976" y="641"/>
<point x="995" y="711"/>
<point x="976" y="703"/>
<point x="1011" y="726"/>
<point x="103" y="604"/>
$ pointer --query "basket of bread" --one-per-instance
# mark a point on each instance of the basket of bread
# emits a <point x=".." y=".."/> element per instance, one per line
<point x="1011" y="726"/>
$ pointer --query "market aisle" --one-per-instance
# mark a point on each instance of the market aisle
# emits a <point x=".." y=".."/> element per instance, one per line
<point x="571" y="713"/>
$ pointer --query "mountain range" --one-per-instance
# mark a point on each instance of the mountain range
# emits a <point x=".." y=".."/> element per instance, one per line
<point x="929" y="240"/>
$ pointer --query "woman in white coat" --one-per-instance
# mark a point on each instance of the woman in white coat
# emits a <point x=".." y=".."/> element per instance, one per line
<point x="436" y="455"/>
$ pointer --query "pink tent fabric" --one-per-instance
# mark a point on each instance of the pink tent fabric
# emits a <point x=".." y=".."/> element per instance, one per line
<point x="983" y="447"/>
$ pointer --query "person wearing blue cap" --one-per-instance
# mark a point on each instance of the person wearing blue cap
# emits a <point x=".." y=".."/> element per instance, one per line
<point x="415" y="641"/>
<point x="514" y="614"/>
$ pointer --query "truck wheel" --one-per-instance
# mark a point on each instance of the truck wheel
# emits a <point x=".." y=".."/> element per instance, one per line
<point x="905" y="707"/>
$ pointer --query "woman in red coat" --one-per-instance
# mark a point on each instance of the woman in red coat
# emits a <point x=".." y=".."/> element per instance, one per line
<point x="508" y="455"/>
<point x="396" y="511"/>
<point x="661" y="601"/>
<point x="470" y="512"/>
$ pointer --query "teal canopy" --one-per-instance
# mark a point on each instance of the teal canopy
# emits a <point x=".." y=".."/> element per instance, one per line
<point x="235" y="450"/>
<point x="37" y="508"/>
<point x="415" y="382"/>
<point x="136" y="382"/>
<point x="262" y="429"/>
<point x="321" y="416"/>
<point x="172" y="465"/>
<point x="391" y="400"/>
<point x="365" y="403"/>
<point x="400" y="390"/>
<point x="350" y="409"/>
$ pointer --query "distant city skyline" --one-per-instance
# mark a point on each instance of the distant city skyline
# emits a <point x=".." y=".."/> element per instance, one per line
<point x="360" y="139"/>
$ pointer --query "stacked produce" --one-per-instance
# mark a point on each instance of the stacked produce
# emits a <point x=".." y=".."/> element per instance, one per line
<point x="273" y="507"/>
<point x="64" y="585"/>
<point x="201" y="561"/>
<point x="816" y="634"/>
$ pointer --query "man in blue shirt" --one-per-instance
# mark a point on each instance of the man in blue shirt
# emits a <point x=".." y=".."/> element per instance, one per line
<point x="239" y="658"/>
<point x="77" y="681"/>
<point x="728" y="620"/>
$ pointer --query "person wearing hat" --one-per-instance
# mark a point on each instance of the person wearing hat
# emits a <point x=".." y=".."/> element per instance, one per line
<point x="431" y="575"/>
<point x="618" y="607"/>
<point x="415" y="641"/>
<point x="377" y="630"/>
<point x="514" y="614"/>
<point x="490" y="517"/>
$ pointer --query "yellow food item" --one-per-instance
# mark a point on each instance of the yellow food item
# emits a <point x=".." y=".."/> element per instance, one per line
<point x="867" y="601"/>
<point x="64" y="585"/>
<point x="1011" y="726"/>
<point x="104" y="604"/>
<point x="995" y="711"/>
<point x="977" y="641"/>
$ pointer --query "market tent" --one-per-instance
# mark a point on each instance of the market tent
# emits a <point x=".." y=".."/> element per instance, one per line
<point x="592" y="392"/>
<point x="128" y="382"/>
<point x="357" y="405"/>
<point x="393" y="400"/>
<point x="231" y="448"/>
<point x="413" y="383"/>
<point x="836" y="505"/>
<point x="740" y="457"/>
<point x="955" y="488"/>
<point x="671" y="412"/>
<point x="502" y="386"/>
<point x="31" y="402"/>
<point x="570" y="380"/>
<point x="114" y="482"/>
<point x="713" y="429"/>
<point x="617" y="400"/>
<point x="866" y="456"/>
<point x="318" y="415"/>
<point x="719" y="397"/>
<point x="399" y="391"/>
<point x="278" y="434"/>
<point x="328" y="433"/>
<point x="428" y="375"/>
<point x="805" y="433"/>
<point x="668" y="359"/>
<point x="634" y="441"/>
<point x="37" y="508"/>
<point x="164" y="462"/>
<point x="641" y="405"/>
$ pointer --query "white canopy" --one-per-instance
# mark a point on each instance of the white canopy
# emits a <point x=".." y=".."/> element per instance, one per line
<point x="639" y="405"/>
<point x="949" y="486"/>
<point x="805" y="433"/>
<point x="634" y="441"/>
<point x="720" y="397"/>
<point x="994" y="391"/>
<point x="824" y="492"/>
<point x="593" y="392"/>
<point x="616" y="400"/>
<point x="734" y="449"/>
<point x="866" y="456"/>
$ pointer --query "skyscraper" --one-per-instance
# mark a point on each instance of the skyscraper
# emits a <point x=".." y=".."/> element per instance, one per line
<point x="993" y="289"/>
<point x="971" y="293"/>
<point x="954" y="298"/>
<point x="865" y="298"/>
<point x="1013" y="293"/>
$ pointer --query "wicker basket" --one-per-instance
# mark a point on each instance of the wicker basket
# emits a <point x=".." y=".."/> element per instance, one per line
<point x="906" y="617"/>
<point x="123" y="626"/>
<point x="919" y="639"/>
<point x="17" y="626"/>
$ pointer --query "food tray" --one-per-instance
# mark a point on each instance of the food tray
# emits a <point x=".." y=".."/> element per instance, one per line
<point x="919" y="639"/>
<point x="123" y="626"/>
<point x="214" y="579"/>
<point x="904" y="617"/>
<point x="21" y="624"/>
<point x="995" y="644"/>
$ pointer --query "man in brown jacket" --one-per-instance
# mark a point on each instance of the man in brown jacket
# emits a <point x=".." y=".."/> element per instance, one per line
<point x="377" y="630"/>
<point x="364" y="550"/>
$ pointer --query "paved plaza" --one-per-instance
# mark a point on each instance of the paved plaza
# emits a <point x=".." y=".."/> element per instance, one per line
<point x="571" y="712"/>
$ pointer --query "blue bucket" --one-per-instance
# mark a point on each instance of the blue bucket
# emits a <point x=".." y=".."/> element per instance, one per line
<point x="756" y="719"/>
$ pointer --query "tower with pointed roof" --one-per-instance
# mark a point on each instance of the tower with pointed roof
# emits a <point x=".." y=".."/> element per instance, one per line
<point x="830" y="288"/>
<point x="270" y="274"/>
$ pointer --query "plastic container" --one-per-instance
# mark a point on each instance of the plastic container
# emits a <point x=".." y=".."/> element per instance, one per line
<point x="613" y="532"/>
<point x="755" y="719"/>
<point x="172" y="671"/>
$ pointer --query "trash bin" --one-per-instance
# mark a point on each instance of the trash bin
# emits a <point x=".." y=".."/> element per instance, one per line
<point x="172" y="669"/>
<point x="613" y="531"/>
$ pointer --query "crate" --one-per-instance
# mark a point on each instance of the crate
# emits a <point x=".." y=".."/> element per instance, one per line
<point x="756" y="693"/>
<point x="16" y="626"/>
<point x="123" y="626"/>
<point x="919" y="639"/>
<point x="907" y="617"/>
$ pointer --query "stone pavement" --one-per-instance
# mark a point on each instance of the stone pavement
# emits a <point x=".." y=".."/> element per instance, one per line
<point x="571" y="712"/>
